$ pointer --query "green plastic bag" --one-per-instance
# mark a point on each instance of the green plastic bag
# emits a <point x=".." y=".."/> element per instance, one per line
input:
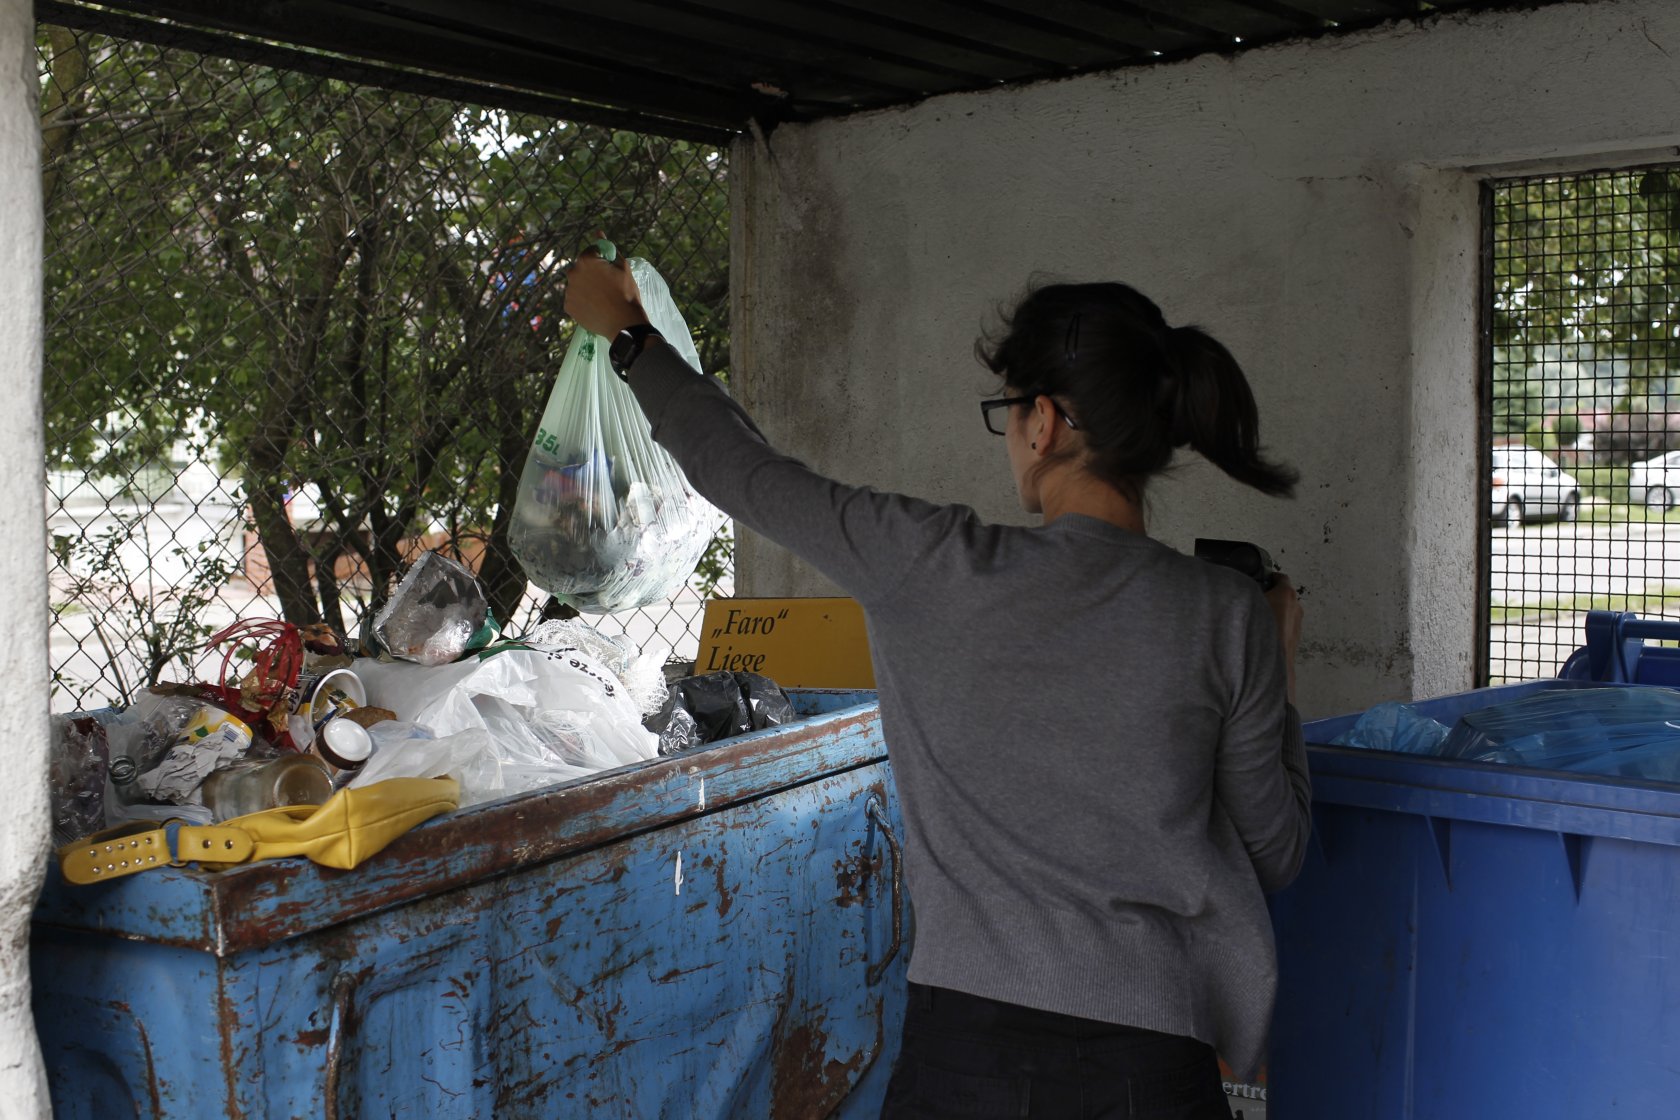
<point x="604" y="519"/>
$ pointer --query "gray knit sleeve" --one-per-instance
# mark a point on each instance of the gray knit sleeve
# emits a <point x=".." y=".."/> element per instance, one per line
<point x="864" y="540"/>
<point x="1260" y="775"/>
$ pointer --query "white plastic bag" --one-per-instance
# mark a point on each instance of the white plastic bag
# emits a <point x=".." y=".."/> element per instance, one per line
<point x="486" y="767"/>
<point x="605" y="519"/>
<point x="641" y="672"/>
<point x="561" y="710"/>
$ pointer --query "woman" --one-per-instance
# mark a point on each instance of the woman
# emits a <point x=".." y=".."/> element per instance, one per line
<point x="1092" y="735"/>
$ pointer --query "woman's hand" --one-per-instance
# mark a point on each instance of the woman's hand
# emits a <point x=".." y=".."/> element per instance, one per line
<point x="601" y="296"/>
<point x="1286" y="610"/>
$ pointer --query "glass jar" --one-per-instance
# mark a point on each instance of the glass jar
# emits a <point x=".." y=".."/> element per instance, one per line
<point x="253" y="785"/>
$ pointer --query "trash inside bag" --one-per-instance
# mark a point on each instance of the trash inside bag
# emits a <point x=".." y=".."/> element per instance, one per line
<point x="438" y="612"/>
<point x="604" y="519"/>
<point x="1395" y="727"/>
<point x="1625" y="732"/>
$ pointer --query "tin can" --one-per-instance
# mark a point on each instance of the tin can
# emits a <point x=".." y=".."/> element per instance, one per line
<point x="321" y="696"/>
<point x="343" y="744"/>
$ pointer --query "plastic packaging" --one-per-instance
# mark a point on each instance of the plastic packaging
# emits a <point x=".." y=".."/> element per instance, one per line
<point x="705" y="709"/>
<point x="560" y="705"/>
<point x="76" y="769"/>
<point x="674" y="724"/>
<point x="767" y="704"/>
<point x="211" y="739"/>
<point x="1395" y="727"/>
<point x="138" y="737"/>
<point x="604" y="519"/>
<point x="488" y="766"/>
<point x="639" y="672"/>
<point x="1630" y="732"/>
<point x="435" y="614"/>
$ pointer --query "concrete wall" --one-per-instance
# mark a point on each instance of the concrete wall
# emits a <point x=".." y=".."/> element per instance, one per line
<point x="24" y="828"/>
<point x="1313" y="204"/>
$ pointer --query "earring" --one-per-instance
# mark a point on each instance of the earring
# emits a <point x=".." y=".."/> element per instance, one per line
<point x="1034" y="447"/>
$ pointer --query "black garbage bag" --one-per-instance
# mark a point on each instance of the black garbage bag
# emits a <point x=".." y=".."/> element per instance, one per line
<point x="705" y="709"/>
<point x="674" y="724"/>
<point x="717" y="705"/>
<point x="767" y="704"/>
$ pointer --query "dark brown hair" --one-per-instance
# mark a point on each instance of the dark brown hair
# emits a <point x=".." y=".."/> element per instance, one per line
<point x="1136" y="387"/>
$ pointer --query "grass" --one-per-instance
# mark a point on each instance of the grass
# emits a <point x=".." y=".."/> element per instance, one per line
<point x="1656" y="601"/>
<point x="1626" y="514"/>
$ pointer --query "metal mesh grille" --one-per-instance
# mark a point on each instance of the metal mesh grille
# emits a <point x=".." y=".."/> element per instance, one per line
<point x="298" y="330"/>
<point x="1585" y="420"/>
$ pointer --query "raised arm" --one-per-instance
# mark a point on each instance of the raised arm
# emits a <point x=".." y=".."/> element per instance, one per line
<point x="866" y="541"/>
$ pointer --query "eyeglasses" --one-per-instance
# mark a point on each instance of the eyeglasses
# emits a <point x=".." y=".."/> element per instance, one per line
<point x="995" y="424"/>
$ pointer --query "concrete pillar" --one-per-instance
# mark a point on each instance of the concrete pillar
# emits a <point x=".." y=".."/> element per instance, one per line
<point x="24" y="826"/>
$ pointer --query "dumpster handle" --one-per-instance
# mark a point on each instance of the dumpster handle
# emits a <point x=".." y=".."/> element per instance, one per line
<point x="342" y="988"/>
<point x="877" y="812"/>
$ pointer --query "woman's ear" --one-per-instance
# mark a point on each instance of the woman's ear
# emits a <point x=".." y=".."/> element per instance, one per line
<point x="1041" y="426"/>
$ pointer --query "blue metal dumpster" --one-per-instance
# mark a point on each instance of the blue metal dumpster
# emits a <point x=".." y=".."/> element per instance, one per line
<point x="707" y="936"/>
<point x="1470" y="941"/>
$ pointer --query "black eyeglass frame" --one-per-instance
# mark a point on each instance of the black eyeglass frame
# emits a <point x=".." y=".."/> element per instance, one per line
<point x="988" y="407"/>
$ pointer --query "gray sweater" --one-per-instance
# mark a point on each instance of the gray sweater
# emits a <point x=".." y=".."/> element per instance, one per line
<point x="1098" y="771"/>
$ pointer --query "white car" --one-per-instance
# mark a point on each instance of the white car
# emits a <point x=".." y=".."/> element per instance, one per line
<point x="1655" y="482"/>
<point x="1528" y="485"/>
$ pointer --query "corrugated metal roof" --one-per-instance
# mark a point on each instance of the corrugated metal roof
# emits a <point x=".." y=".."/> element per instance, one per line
<point x="706" y="68"/>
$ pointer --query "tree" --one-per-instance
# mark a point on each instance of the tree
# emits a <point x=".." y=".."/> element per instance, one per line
<point x="1586" y="301"/>
<point x="334" y="287"/>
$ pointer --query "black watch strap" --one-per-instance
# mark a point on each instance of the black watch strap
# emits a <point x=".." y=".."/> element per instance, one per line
<point x="627" y="347"/>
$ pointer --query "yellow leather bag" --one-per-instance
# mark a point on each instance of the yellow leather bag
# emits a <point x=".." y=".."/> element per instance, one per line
<point x="352" y="825"/>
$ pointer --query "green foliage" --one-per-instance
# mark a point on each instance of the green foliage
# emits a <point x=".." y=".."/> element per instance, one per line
<point x="1609" y="483"/>
<point x="1567" y="429"/>
<point x="717" y="562"/>
<point x="328" y="285"/>
<point x="1586" y="304"/>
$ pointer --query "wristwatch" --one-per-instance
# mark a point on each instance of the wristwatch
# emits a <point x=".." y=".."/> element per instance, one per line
<point x="627" y="347"/>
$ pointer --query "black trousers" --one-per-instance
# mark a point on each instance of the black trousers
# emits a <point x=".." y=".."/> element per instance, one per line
<point x="968" y="1056"/>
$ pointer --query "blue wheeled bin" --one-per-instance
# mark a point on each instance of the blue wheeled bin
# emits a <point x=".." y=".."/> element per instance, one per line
<point x="1474" y="941"/>
<point x="705" y="937"/>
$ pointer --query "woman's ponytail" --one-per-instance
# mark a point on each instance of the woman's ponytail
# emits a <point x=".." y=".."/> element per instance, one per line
<point x="1214" y="412"/>
<point x="1136" y="388"/>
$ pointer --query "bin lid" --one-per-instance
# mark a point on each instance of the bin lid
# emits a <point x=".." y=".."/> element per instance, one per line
<point x="1493" y="793"/>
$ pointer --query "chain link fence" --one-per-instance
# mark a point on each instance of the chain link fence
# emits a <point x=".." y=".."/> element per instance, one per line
<point x="299" y="330"/>
<point x="1584" y="412"/>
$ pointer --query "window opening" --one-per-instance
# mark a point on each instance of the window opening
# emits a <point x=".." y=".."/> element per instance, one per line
<point x="1582" y="486"/>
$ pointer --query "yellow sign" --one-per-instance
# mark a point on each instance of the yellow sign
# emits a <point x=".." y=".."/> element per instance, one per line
<point x="798" y="643"/>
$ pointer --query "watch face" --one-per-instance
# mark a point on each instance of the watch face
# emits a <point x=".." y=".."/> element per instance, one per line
<point x="622" y="351"/>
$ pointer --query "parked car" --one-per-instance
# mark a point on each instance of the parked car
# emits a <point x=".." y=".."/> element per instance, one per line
<point x="1655" y="482"/>
<point x="1529" y="485"/>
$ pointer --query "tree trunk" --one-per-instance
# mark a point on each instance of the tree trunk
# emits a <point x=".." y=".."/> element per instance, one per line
<point x="61" y="101"/>
<point x="280" y="413"/>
